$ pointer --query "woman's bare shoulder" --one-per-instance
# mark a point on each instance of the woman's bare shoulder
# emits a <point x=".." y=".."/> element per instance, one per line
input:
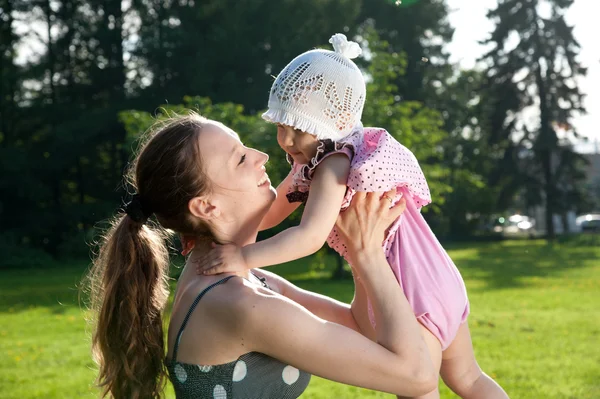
<point x="237" y="299"/>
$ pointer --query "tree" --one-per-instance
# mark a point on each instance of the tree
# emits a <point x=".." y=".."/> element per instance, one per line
<point x="12" y="154"/>
<point x="71" y="138"/>
<point x="62" y="146"/>
<point x="539" y="73"/>
<point x="466" y="153"/>
<point x="229" y="50"/>
<point x="419" y="30"/>
<point x="416" y="126"/>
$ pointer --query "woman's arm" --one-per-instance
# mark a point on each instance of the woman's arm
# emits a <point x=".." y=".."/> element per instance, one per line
<point x="359" y="308"/>
<point x="398" y="362"/>
<point x="354" y="316"/>
<point x="322" y="306"/>
<point x="281" y="208"/>
<point x="277" y="326"/>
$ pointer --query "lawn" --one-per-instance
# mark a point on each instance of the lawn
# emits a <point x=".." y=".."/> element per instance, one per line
<point x="535" y="322"/>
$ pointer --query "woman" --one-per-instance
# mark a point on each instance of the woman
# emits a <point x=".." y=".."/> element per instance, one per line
<point x="246" y="335"/>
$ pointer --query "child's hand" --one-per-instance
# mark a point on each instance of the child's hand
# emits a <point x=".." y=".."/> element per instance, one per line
<point x="226" y="258"/>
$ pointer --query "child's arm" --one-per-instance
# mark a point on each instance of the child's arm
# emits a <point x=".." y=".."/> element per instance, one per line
<point x="281" y="208"/>
<point x="327" y="192"/>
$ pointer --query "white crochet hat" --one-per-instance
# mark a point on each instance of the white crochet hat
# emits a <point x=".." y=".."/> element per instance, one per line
<point x="320" y="92"/>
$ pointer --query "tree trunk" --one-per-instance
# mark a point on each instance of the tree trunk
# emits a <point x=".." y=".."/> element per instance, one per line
<point x="51" y="55"/>
<point x="564" y="218"/>
<point x="545" y="144"/>
<point x="81" y="190"/>
<point x="53" y="242"/>
<point x="7" y="76"/>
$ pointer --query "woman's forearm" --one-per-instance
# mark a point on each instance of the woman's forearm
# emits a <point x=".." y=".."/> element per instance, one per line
<point x="397" y="328"/>
<point x="360" y="308"/>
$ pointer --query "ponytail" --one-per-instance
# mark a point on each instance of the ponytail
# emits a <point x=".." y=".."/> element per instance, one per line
<point x="129" y="291"/>
<point x="128" y="280"/>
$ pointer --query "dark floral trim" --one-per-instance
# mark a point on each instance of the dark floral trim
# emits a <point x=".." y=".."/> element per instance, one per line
<point x="297" y="196"/>
<point x="325" y="147"/>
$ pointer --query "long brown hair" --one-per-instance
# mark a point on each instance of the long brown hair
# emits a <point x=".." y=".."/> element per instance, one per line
<point x="128" y="279"/>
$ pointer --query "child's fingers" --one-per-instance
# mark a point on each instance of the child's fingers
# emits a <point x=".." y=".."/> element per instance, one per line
<point x="217" y="268"/>
<point x="211" y="271"/>
<point x="208" y="261"/>
<point x="207" y="258"/>
<point x="204" y="269"/>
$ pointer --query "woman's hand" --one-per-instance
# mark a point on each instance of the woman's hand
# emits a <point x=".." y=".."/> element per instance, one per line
<point x="364" y="224"/>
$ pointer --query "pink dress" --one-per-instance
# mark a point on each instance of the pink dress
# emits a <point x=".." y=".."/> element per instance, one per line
<point x="430" y="280"/>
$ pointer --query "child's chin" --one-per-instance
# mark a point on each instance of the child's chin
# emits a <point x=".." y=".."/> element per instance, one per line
<point x="301" y="160"/>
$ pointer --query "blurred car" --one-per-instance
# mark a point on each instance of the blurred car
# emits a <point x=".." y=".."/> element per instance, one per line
<point x="515" y="226"/>
<point x="589" y="223"/>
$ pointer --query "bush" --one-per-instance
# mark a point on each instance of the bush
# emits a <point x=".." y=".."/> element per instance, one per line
<point x="17" y="254"/>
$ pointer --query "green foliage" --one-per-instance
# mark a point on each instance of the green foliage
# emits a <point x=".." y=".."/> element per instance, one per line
<point x="418" y="29"/>
<point x="226" y="49"/>
<point x="17" y="254"/>
<point x="417" y="127"/>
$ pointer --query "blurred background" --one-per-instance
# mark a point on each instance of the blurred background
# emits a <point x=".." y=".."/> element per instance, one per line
<point x="498" y="99"/>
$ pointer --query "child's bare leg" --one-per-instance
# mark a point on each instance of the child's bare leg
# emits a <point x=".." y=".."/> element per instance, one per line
<point x="435" y="351"/>
<point x="462" y="374"/>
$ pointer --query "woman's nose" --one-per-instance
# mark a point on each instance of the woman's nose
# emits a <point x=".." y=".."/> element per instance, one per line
<point x="261" y="158"/>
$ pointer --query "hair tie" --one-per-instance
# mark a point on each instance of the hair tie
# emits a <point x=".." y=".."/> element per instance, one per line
<point x="136" y="210"/>
<point x="344" y="47"/>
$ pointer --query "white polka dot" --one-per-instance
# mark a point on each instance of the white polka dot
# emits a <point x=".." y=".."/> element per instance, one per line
<point x="239" y="371"/>
<point x="205" y="369"/>
<point x="290" y="374"/>
<point x="219" y="392"/>
<point x="180" y="373"/>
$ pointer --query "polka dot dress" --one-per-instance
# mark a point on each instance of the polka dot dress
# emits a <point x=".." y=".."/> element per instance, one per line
<point x="430" y="280"/>
<point x="378" y="163"/>
<point x="253" y="375"/>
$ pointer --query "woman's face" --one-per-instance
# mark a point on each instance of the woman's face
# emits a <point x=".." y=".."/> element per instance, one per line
<point x="240" y="185"/>
<point x="301" y="146"/>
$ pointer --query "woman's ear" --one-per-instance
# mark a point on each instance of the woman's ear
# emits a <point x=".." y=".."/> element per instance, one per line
<point x="201" y="207"/>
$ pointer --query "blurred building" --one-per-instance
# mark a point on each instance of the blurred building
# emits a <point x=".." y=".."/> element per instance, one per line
<point x="592" y="182"/>
<point x="593" y="169"/>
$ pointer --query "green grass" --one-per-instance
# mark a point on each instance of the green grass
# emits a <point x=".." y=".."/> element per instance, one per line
<point x="535" y="321"/>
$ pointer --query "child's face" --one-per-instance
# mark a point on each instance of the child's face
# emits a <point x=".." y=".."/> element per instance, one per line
<point x="301" y="146"/>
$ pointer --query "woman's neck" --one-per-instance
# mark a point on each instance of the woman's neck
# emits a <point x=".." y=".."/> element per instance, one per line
<point x="238" y="230"/>
<point x="203" y="247"/>
<point x="228" y="232"/>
